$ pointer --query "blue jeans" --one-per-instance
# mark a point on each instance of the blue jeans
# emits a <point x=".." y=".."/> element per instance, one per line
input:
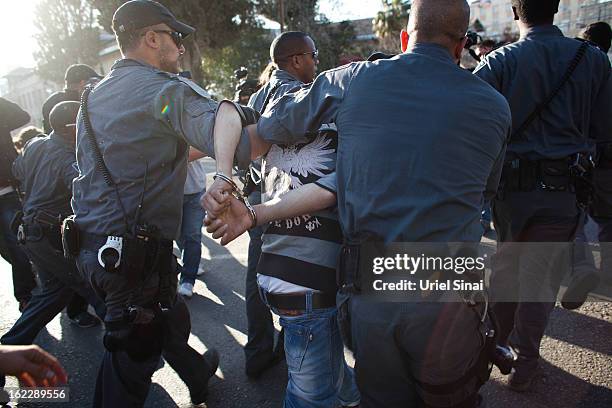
<point x="190" y="241"/>
<point x="318" y="376"/>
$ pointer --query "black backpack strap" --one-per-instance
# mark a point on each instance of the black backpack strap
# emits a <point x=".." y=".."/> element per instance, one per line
<point x="518" y="134"/>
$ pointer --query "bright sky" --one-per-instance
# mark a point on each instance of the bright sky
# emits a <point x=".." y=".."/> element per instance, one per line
<point x="17" y="27"/>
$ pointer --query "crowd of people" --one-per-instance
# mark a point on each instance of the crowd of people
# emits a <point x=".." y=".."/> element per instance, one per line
<point x="377" y="152"/>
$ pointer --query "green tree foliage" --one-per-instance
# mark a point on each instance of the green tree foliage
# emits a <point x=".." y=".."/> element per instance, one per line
<point x="251" y="51"/>
<point x="218" y="24"/>
<point x="299" y="15"/>
<point x="389" y="22"/>
<point x="67" y="34"/>
<point x="333" y="39"/>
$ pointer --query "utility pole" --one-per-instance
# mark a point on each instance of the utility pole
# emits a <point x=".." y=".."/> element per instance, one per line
<point x="281" y="13"/>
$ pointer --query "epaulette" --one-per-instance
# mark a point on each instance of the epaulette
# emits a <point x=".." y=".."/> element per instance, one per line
<point x="194" y="87"/>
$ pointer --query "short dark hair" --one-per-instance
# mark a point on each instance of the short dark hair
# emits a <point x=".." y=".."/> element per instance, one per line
<point x="285" y="44"/>
<point x="128" y="40"/>
<point x="598" y="33"/>
<point x="535" y="11"/>
<point x="25" y="135"/>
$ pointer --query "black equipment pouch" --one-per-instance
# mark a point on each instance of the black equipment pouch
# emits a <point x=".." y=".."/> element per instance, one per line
<point x="133" y="259"/>
<point x="519" y="175"/>
<point x="16" y="222"/>
<point x="344" y="319"/>
<point x="348" y="280"/>
<point x="601" y="205"/>
<point x="140" y="340"/>
<point x="138" y="254"/>
<point x="70" y="238"/>
<point x="554" y="175"/>
<point x="347" y="274"/>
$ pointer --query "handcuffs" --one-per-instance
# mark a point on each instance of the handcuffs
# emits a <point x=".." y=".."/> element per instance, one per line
<point x="239" y="195"/>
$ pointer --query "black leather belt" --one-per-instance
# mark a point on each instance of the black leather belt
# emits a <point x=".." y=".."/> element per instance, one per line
<point x="297" y="301"/>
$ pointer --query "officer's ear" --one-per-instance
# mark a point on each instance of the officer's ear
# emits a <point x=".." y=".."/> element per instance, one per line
<point x="404" y="40"/>
<point x="458" y="51"/>
<point x="152" y="39"/>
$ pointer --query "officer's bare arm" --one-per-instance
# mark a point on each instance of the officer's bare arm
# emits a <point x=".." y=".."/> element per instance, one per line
<point x="227" y="132"/>
<point x="234" y="222"/>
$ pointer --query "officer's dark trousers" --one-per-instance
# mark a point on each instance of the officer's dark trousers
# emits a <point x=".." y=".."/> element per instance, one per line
<point x="530" y="272"/>
<point x="23" y="277"/>
<point x="602" y="233"/>
<point x="259" y="347"/>
<point x="59" y="279"/>
<point x="123" y="382"/>
<point x="397" y="346"/>
<point x="605" y="242"/>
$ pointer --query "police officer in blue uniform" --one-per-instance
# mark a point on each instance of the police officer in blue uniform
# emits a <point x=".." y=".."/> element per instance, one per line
<point x="12" y="117"/>
<point x="560" y="95"/>
<point x="132" y="147"/>
<point x="415" y="155"/>
<point x="45" y="171"/>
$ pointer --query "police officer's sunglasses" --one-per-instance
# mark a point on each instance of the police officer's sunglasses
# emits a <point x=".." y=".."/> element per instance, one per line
<point x="314" y="54"/>
<point x="176" y="36"/>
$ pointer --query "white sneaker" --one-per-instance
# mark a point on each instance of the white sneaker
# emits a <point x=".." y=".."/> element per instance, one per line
<point x="201" y="272"/>
<point x="186" y="289"/>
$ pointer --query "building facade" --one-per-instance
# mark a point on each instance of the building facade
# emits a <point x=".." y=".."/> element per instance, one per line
<point x="25" y="88"/>
<point x="497" y="19"/>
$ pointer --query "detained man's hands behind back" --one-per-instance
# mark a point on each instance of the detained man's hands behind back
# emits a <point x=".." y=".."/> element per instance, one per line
<point x="233" y="221"/>
<point x="216" y="199"/>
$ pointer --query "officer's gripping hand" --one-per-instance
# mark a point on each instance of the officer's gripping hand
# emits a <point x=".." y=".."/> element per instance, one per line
<point x="32" y="365"/>
<point x="231" y="223"/>
<point x="216" y="199"/>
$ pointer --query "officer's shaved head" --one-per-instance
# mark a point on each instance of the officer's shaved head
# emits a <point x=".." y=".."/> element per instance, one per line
<point x="535" y="11"/>
<point x="442" y="22"/>
<point x="286" y="44"/>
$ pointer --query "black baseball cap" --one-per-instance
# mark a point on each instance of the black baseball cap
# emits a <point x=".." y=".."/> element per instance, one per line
<point x="63" y="115"/>
<point x="137" y="14"/>
<point x="80" y="72"/>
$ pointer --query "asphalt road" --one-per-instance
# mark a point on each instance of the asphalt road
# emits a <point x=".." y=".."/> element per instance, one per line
<point x="576" y="369"/>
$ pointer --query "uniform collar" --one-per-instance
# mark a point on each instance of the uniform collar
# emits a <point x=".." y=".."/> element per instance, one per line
<point x="432" y="50"/>
<point x="280" y="75"/>
<point x="58" y="139"/>
<point x="539" y="31"/>
<point x="128" y="62"/>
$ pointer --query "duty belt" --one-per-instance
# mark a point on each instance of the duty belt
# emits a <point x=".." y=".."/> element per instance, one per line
<point x="93" y="242"/>
<point x="555" y="175"/>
